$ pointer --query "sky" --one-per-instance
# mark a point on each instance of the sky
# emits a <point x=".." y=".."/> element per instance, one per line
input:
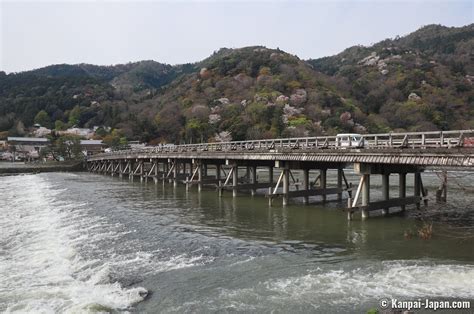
<point x="38" y="33"/>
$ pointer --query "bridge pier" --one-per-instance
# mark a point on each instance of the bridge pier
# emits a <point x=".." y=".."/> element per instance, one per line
<point x="365" y="170"/>
<point x="340" y="173"/>
<point x="130" y="170"/>
<point x="155" y="168"/>
<point x="218" y="173"/>
<point x="175" y="172"/>
<point x="111" y="168"/>
<point x="286" y="184"/>
<point x="306" y="184"/>
<point x="198" y="171"/>
<point x="377" y="154"/>
<point x="365" y="194"/>
<point x="417" y="188"/>
<point x="305" y="189"/>
<point x="141" y="170"/>
<point x="235" y="179"/>
<point x="402" y="187"/>
<point x="385" y="192"/>
<point x="253" y="179"/>
<point x="323" y="182"/>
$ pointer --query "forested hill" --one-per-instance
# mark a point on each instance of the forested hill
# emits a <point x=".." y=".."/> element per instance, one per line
<point x="434" y="64"/>
<point x="423" y="81"/>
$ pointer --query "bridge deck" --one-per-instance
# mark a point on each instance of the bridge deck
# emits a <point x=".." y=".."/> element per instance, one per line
<point x="455" y="157"/>
<point x="450" y="148"/>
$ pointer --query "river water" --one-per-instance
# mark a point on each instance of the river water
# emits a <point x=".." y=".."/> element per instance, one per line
<point x="78" y="242"/>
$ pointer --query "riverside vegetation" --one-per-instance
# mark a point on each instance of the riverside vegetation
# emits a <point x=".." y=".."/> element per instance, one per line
<point x="422" y="81"/>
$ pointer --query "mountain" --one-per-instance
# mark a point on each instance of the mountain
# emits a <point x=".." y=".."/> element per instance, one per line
<point x="422" y="81"/>
<point x="252" y="92"/>
<point x="435" y="65"/>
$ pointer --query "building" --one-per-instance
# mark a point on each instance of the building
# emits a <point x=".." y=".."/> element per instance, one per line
<point x="27" y="147"/>
<point x="92" y="147"/>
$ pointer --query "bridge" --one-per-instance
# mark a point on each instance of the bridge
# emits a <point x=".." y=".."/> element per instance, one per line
<point x="233" y="166"/>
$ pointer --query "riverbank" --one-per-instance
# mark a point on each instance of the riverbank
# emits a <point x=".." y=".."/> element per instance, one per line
<point x="7" y="168"/>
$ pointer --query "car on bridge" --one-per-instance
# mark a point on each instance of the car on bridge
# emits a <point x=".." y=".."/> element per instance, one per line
<point x="350" y="140"/>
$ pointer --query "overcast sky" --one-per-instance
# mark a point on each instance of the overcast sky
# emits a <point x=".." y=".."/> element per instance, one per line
<point x="38" y="33"/>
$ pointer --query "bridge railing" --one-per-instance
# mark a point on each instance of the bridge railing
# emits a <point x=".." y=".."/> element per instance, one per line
<point x="414" y="140"/>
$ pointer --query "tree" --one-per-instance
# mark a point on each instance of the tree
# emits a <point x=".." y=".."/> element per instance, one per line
<point x="67" y="147"/>
<point x="100" y="132"/>
<point x="59" y="125"/>
<point x="115" y="139"/>
<point x="75" y="115"/>
<point x="196" y="130"/>
<point x="42" y="118"/>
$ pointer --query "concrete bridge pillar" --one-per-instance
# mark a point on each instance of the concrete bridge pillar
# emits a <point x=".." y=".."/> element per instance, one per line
<point x="170" y="166"/>
<point x="235" y="178"/>
<point x="155" y="175"/>
<point x="385" y="191"/>
<point x="323" y="181"/>
<point x="270" y="174"/>
<point x="112" y="168"/>
<point x="286" y="184"/>
<point x="175" y="173"/>
<point x="253" y="179"/>
<point x="306" y="184"/>
<point x="339" y="183"/>
<point x="417" y="186"/>
<point x="141" y="171"/>
<point x="402" y="187"/>
<point x="200" y="175"/>
<point x="366" y="195"/>
<point x="218" y="173"/>
<point x="204" y="170"/>
<point x="130" y="171"/>
<point x="165" y="170"/>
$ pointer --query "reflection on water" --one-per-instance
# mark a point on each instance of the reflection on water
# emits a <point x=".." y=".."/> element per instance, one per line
<point x="197" y="252"/>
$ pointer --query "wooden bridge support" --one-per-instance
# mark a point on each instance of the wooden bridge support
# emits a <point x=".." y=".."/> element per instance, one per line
<point x="305" y="189"/>
<point x="366" y="206"/>
<point x="225" y="175"/>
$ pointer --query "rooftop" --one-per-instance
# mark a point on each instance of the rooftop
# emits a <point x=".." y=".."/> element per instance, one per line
<point x="27" y="139"/>
<point x="91" y="142"/>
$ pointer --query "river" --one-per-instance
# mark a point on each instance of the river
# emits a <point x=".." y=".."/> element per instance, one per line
<point x="79" y="242"/>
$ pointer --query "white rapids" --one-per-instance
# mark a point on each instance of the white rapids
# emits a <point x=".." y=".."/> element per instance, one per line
<point x="41" y="267"/>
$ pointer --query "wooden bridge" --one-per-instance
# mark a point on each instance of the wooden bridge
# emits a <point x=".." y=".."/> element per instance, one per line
<point x="233" y="165"/>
